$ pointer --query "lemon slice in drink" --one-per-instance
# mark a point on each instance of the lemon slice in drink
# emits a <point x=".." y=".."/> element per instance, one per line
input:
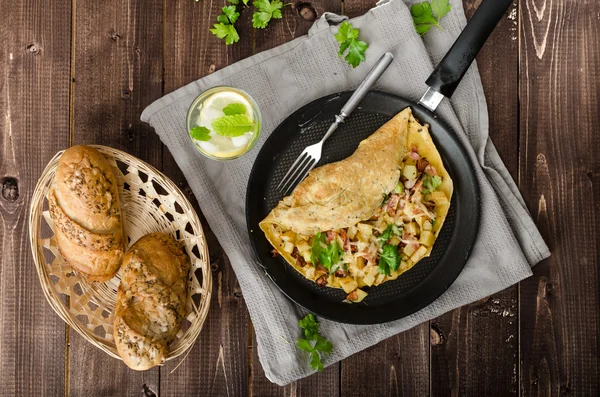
<point x="213" y="106"/>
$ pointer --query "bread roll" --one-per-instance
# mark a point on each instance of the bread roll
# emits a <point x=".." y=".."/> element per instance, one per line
<point x="84" y="205"/>
<point x="151" y="300"/>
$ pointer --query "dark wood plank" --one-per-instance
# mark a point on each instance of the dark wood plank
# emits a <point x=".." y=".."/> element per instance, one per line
<point x="471" y="344"/>
<point x="559" y="174"/>
<point x="218" y="362"/>
<point x="117" y="72"/>
<point x="34" y="125"/>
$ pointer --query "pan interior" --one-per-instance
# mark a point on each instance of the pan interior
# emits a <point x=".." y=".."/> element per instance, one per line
<point x="411" y="290"/>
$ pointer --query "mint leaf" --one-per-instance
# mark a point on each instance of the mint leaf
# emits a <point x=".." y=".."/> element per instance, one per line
<point x="266" y="11"/>
<point x="347" y="36"/>
<point x="227" y="32"/>
<point x="200" y="133"/>
<point x="234" y="108"/>
<point x="232" y="126"/>
<point x="440" y="8"/>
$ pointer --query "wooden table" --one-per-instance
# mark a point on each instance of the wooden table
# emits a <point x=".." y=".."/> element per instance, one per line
<point x="81" y="71"/>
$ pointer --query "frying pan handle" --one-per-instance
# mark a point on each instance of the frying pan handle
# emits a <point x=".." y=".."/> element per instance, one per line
<point x="451" y="69"/>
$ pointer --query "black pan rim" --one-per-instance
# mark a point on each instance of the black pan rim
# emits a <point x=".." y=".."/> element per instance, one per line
<point x="361" y="314"/>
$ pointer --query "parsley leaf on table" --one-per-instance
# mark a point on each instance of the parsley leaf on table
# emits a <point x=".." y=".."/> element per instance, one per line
<point x="224" y="29"/>
<point x="327" y="255"/>
<point x="266" y="11"/>
<point x="234" y="108"/>
<point x="430" y="183"/>
<point x="233" y="125"/>
<point x="236" y="2"/>
<point x="428" y="14"/>
<point x="390" y="259"/>
<point x="347" y="36"/>
<point x="200" y="133"/>
<point x="314" y="344"/>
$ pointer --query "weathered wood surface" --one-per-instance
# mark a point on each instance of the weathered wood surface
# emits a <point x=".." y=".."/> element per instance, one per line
<point x="82" y="72"/>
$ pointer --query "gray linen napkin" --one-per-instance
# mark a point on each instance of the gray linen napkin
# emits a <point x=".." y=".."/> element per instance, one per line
<point x="287" y="77"/>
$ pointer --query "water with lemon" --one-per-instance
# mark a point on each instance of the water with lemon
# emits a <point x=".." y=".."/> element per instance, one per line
<point x="223" y="123"/>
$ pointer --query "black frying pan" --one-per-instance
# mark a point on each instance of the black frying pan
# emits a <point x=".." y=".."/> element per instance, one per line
<point x="430" y="277"/>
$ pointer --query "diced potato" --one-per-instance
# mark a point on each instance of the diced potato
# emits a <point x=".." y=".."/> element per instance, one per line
<point x="419" y="254"/>
<point x="427" y="238"/>
<point x="288" y="236"/>
<point x="348" y="284"/>
<point x="336" y="282"/>
<point x="288" y="247"/>
<point x="351" y="232"/>
<point x="439" y="197"/>
<point x="302" y="245"/>
<point x="427" y="225"/>
<point x="306" y="255"/>
<point x="380" y="278"/>
<point x="365" y="230"/>
<point x="357" y="296"/>
<point x="412" y="228"/>
<point x="330" y="279"/>
<point x="369" y="279"/>
<point x="309" y="272"/>
<point x="410" y="172"/>
<point x="395" y="240"/>
<point x="403" y="266"/>
<point x="360" y="262"/>
<point x="410" y="249"/>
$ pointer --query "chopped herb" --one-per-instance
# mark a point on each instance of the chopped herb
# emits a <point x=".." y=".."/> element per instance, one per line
<point x="314" y="344"/>
<point x="266" y="11"/>
<point x="388" y="232"/>
<point x="233" y="125"/>
<point x="200" y="133"/>
<point x="427" y="14"/>
<point x="390" y="259"/>
<point x="347" y="36"/>
<point x="327" y="255"/>
<point x="399" y="188"/>
<point x="430" y="183"/>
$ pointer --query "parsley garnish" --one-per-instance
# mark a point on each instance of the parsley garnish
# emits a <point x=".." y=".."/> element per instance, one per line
<point x="233" y="125"/>
<point x="266" y="11"/>
<point x="327" y="255"/>
<point x="347" y="36"/>
<point x="200" y="133"/>
<point x="238" y="2"/>
<point x="430" y="183"/>
<point x="389" y="259"/>
<point x="224" y="29"/>
<point x="314" y="344"/>
<point x="234" y="108"/>
<point x="428" y="14"/>
<point x="388" y="232"/>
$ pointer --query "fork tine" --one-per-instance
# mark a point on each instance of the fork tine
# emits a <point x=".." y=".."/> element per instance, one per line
<point x="292" y="168"/>
<point x="302" y="174"/>
<point x="294" y="174"/>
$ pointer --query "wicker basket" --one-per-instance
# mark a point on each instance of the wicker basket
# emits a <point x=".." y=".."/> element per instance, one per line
<point x="151" y="203"/>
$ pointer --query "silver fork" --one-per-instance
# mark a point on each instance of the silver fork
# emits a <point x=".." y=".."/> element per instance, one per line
<point x="312" y="154"/>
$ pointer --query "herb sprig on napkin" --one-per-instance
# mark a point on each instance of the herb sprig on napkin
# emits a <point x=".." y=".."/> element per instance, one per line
<point x="347" y="36"/>
<point x="428" y="14"/>
<point x="313" y="343"/>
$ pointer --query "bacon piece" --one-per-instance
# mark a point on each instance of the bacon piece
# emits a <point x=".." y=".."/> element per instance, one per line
<point x="322" y="281"/>
<point x="340" y="273"/>
<point x="300" y="262"/>
<point x="414" y="154"/>
<point x="352" y="296"/>
<point x="430" y="170"/>
<point x="344" y="236"/>
<point x="422" y="164"/>
<point x="392" y="203"/>
<point x="274" y="253"/>
<point x="331" y="235"/>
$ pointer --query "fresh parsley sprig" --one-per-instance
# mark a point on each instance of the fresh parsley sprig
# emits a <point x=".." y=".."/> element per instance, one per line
<point x="390" y="259"/>
<point x="428" y="14"/>
<point x="327" y="255"/>
<point x="430" y="183"/>
<point x="347" y="36"/>
<point x="224" y="28"/>
<point x="313" y="343"/>
<point x="267" y="10"/>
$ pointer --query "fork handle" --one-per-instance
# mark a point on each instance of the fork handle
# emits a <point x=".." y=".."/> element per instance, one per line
<point x="364" y="87"/>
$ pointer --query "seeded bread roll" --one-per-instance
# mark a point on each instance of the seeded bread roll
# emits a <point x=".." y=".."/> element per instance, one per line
<point x="84" y="205"/>
<point x="151" y="300"/>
